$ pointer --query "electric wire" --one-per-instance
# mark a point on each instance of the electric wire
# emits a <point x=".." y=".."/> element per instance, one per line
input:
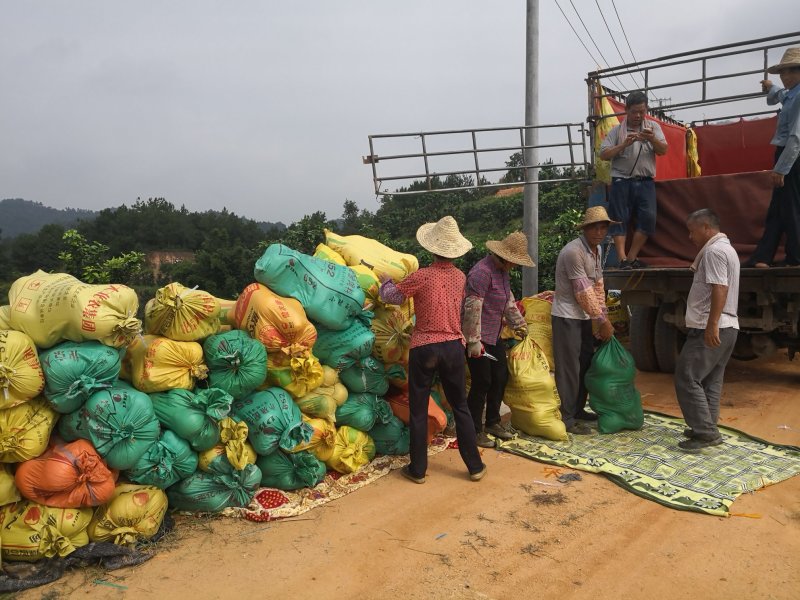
<point x="614" y="41"/>
<point x="628" y="42"/>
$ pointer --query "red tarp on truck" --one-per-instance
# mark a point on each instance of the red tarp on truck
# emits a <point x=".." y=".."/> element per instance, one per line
<point x="737" y="147"/>
<point x="740" y="200"/>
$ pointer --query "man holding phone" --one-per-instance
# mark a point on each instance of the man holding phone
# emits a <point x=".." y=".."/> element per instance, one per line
<point x="632" y="147"/>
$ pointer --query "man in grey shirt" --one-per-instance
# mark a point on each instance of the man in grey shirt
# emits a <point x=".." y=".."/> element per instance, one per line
<point x="711" y="318"/>
<point x="632" y="147"/>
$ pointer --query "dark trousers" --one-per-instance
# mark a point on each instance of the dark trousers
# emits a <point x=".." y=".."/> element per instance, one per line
<point x="573" y="348"/>
<point x="698" y="380"/>
<point x="488" y="380"/>
<point x="783" y="216"/>
<point x="446" y="359"/>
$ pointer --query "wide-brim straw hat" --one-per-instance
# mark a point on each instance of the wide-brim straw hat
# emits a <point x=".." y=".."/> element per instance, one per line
<point x="595" y="214"/>
<point x="791" y="58"/>
<point x="514" y="249"/>
<point x="443" y="238"/>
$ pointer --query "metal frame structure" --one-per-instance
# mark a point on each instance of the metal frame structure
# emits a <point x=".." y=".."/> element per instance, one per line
<point x="700" y="58"/>
<point x="574" y="139"/>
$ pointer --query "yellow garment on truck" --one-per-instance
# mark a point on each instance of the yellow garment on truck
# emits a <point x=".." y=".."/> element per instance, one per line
<point x="182" y="314"/>
<point x="158" y="364"/>
<point x="21" y="375"/>
<point x="55" y="307"/>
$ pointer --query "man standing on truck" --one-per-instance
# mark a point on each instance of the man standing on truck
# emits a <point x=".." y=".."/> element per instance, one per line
<point x="632" y="147"/>
<point x="713" y="325"/>
<point x="783" y="214"/>
<point x="579" y="299"/>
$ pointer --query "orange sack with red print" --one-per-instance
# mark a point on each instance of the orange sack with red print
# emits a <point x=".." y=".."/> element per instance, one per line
<point x="69" y="475"/>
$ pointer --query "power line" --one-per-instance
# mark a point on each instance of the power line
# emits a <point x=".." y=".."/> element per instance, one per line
<point x="597" y="62"/>
<point x="627" y="41"/>
<point x="614" y="41"/>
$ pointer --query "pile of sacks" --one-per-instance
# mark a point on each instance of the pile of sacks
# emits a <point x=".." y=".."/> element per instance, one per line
<point x="106" y="421"/>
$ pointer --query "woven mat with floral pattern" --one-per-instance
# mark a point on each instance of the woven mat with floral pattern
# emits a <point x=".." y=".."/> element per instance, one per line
<point x="648" y="463"/>
<point x="269" y="503"/>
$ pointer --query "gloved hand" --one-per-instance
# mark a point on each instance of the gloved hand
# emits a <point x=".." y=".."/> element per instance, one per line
<point x="474" y="349"/>
<point x="521" y="332"/>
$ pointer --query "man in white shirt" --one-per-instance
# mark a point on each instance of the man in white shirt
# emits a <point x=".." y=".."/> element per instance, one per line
<point x="713" y="324"/>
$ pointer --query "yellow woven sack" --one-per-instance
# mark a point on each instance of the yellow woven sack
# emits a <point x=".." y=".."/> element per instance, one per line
<point x="352" y="450"/>
<point x="5" y="317"/>
<point x="25" y="430"/>
<point x="392" y="326"/>
<point x="134" y="513"/>
<point x="182" y="314"/>
<point x="32" y="531"/>
<point x="531" y="393"/>
<point x="55" y="307"/>
<point x="8" y="488"/>
<point x="323" y="440"/>
<point x="157" y="364"/>
<point x="327" y="253"/>
<point x="322" y="402"/>
<point x="537" y="315"/>
<point x="371" y="285"/>
<point x="21" y="375"/>
<point x="330" y="376"/>
<point x="618" y="315"/>
<point x="233" y="444"/>
<point x="277" y="322"/>
<point x="296" y="375"/>
<point x="359" y="250"/>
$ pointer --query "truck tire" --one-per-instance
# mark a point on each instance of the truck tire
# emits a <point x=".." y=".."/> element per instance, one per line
<point x="668" y="340"/>
<point x="643" y="320"/>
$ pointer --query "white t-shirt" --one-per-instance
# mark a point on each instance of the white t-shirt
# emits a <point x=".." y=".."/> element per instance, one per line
<point x="720" y="266"/>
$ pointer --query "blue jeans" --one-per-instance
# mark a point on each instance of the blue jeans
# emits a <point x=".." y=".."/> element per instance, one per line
<point x="632" y="198"/>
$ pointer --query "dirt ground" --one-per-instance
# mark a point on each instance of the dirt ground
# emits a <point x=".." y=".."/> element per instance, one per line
<point x="508" y="536"/>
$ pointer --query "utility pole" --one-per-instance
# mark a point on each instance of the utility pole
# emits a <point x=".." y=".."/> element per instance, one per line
<point x="530" y="214"/>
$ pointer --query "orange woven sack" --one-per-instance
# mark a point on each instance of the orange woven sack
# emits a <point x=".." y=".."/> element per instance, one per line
<point x="398" y="401"/>
<point x="67" y="476"/>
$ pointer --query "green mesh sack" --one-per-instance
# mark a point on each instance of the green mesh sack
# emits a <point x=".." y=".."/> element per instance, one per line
<point x="121" y="425"/>
<point x="166" y="462"/>
<point x="363" y="411"/>
<point x="366" y="375"/>
<point x="194" y="416"/>
<point x="341" y="349"/>
<point x="391" y="438"/>
<point x="212" y="491"/>
<point x="612" y="394"/>
<point x="290" y="471"/>
<point x="236" y="362"/>
<point x="73" y="371"/>
<point x="273" y="420"/>
<point x="329" y="293"/>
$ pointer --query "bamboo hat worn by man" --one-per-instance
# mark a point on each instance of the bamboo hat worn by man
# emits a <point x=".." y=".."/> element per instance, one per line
<point x="489" y="303"/>
<point x="437" y="345"/>
<point x="579" y="299"/>
<point x="783" y="214"/>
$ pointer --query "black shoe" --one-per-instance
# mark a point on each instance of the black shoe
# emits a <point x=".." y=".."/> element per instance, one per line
<point x="696" y="444"/>
<point x="688" y="433"/>
<point x="625" y="265"/>
<point x="637" y="264"/>
<point x="585" y="415"/>
<point x="405" y="472"/>
<point x="579" y="429"/>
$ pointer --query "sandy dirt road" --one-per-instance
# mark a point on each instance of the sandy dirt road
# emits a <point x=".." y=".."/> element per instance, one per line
<point x="505" y="537"/>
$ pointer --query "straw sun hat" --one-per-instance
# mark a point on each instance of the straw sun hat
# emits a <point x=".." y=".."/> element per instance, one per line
<point x="791" y="58"/>
<point x="443" y="238"/>
<point x="595" y="214"/>
<point x="514" y="249"/>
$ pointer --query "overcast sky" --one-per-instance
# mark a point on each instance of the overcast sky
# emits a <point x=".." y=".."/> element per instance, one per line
<point x="264" y="107"/>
